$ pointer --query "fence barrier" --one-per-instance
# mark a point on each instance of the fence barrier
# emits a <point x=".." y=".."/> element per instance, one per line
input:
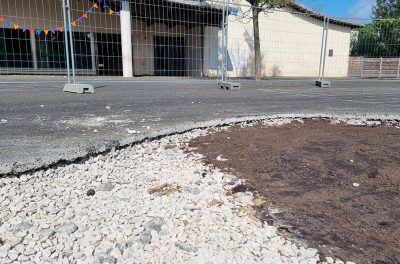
<point x="89" y="40"/>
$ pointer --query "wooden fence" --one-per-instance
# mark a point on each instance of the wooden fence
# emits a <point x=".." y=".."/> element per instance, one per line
<point x="374" y="67"/>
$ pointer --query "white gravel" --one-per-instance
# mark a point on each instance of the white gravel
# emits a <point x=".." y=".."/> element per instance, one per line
<point x="149" y="203"/>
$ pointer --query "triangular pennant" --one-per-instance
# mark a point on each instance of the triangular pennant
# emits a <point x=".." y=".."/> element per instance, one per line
<point x="81" y="20"/>
<point x="85" y="15"/>
<point x="118" y="13"/>
<point x="95" y="6"/>
<point x="1" y="19"/>
<point x="8" y="23"/>
<point x="67" y="27"/>
<point x="16" y="26"/>
<point x="46" y="32"/>
<point x="53" y="30"/>
<point x="111" y="12"/>
<point x="74" y="23"/>
<point x="31" y="30"/>
<point x="61" y="29"/>
<point x="106" y="6"/>
<point x="90" y="11"/>
<point x="24" y="29"/>
<point x="38" y="31"/>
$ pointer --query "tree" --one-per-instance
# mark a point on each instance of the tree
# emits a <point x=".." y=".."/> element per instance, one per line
<point x="385" y="9"/>
<point x="258" y="6"/>
<point x="381" y="38"/>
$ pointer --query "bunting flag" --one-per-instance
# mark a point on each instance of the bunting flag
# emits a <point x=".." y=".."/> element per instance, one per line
<point x="75" y="23"/>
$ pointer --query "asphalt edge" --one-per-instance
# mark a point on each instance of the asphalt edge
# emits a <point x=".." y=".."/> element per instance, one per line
<point x="16" y="169"/>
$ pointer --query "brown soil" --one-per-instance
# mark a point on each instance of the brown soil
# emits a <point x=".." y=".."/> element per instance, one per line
<point x="307" y="171"/>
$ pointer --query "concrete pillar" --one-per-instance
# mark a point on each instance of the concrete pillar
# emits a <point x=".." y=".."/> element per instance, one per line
<point x="126" y="39"/>
<point x="34" y="51"/>
<point x="93" y="51"/>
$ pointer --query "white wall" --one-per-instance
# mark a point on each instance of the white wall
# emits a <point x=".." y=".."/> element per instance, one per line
<point x="290" y="46"/>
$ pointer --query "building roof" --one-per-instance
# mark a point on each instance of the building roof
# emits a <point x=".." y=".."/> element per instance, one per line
<point x="313" y="13"/>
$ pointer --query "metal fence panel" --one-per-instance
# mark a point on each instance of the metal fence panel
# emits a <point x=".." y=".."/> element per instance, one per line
<point x="187" y="40"/>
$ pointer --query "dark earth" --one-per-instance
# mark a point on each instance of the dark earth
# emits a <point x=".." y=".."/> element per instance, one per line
<point x="336" y="186"/>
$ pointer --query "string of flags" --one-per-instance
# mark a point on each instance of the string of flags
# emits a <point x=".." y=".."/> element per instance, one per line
<point x="53" y="30"/>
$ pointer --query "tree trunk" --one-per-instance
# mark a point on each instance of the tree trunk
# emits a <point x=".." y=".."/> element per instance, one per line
<point x="257" y="48"/>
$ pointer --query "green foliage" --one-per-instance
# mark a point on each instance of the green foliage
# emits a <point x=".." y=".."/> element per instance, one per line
<point x="385" y="9"/>
<point x="378" y="39"/>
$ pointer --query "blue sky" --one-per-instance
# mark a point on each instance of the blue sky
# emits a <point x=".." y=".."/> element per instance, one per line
<point x="342" y="8"/>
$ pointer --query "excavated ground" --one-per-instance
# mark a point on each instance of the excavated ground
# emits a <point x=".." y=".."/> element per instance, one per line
<point x="335" y="186"/>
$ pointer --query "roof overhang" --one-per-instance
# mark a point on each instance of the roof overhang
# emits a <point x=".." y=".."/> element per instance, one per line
<point x="312" y="13"/>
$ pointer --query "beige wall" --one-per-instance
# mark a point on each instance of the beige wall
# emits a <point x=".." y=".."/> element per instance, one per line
<point x="290" y="46"/>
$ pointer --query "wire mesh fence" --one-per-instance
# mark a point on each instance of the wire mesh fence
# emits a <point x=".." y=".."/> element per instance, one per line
<point x="188" y="39"/>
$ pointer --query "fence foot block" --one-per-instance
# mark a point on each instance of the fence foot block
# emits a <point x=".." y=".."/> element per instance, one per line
<point x="78" y="88"/>
<point x="323" y="84"/>
<point x="229" y="86"/>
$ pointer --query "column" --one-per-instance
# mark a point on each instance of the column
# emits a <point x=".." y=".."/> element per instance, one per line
<point x="34" y="51"/>
<point x="93" y="51"/>
<point x="126" y="39"/>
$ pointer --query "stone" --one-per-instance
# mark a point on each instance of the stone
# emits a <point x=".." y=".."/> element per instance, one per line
<point x="185" y="247"/>
<point x="198" y="182"/>
<point x="122" y="247"/>
<point x="105" y="187"/>
<point x="22" y="227"/>
<point x="145" y="237"/>
<point x="107" y="260"/>
<point x="67" y="228"/>
<point x="156" y="224"/>
<point x="46" y="233"/>
<point x="90" y="192"/>
<point x="29" y="251"/>
<point x="329" y="260"/>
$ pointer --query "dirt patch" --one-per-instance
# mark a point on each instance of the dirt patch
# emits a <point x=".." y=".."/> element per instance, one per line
<point x="335" y="186"/>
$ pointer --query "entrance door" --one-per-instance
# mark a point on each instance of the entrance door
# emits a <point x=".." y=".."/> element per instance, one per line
<point x="169" y="59"/>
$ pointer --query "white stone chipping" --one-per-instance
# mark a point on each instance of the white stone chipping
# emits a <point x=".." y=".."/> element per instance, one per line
<point x="152" y="203"/>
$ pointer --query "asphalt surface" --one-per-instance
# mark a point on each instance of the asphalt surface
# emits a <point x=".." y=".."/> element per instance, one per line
<point x="40" y="125"/>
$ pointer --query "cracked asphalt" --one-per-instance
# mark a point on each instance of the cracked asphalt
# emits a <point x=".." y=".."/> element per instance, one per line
<point x="40" y="125"/>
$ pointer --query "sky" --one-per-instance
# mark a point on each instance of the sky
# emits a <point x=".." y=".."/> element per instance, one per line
<point x="360" y="9"/>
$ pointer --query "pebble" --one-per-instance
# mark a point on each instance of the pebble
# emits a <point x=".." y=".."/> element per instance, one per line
<point x="145" y="237"/>
<point x="156" y="224"/>
<point x="106" y="187"/>
<point x="67" y="228"/>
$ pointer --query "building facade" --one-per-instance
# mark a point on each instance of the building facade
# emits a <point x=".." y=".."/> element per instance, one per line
<point x="163" y="38"/>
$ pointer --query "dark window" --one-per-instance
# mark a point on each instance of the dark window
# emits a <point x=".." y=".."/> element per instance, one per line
<point x="169" y="57"/>
<point x="109" y="51"/>
<point x="51" y="51"/>
<point x="83" y="53"/>
<point x="15" y="49"/>
<point x="331" y="53"/>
